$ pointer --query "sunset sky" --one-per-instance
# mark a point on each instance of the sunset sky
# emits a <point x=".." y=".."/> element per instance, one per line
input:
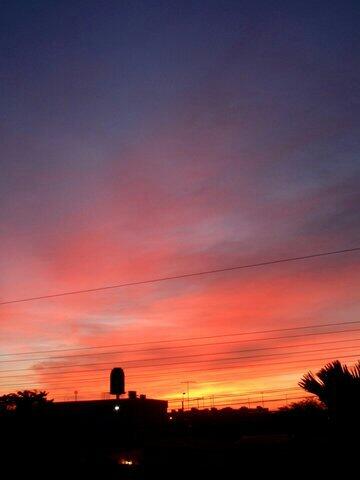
<point x="144" y="139"/>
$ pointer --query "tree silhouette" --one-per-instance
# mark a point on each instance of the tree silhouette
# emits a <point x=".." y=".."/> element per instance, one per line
<point x="338" y="388"/>
<point x="307" y="406"/>
<point x="23" y="401"/>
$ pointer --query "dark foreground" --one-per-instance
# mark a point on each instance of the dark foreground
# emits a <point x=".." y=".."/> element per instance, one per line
<point x="229" y="444"/>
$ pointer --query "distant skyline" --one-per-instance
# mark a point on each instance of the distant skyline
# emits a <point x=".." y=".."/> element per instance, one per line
<point x="144" y="139"/>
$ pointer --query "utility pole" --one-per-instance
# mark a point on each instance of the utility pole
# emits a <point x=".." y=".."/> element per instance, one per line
<point x="187" y="383"/>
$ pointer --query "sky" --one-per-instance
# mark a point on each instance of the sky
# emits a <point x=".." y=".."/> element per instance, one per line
<point x="143" y="139"/>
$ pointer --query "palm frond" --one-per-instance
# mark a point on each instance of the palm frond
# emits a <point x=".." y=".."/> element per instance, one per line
<point x="311" y="384"/>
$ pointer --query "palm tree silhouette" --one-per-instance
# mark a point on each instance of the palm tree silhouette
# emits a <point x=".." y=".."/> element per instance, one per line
<point x="338" y="388"/>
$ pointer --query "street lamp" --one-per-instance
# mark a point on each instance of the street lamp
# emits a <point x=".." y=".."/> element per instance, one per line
<point x="182" y="401"/>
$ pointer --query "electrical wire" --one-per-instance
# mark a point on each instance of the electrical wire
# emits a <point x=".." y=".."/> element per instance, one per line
<point x="182" y="276"/>
<point x="214" y="343"/>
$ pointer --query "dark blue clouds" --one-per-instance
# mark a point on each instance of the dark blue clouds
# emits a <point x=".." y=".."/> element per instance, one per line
<point x="205" y="125"/>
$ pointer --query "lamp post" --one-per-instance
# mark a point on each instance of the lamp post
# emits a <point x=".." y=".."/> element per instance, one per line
<point x="187" y="383"/>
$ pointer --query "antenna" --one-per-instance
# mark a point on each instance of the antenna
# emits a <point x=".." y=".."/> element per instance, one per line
<point x="187" y="383"/>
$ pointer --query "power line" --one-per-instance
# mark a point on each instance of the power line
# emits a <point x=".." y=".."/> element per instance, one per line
<point x="225" y="380"/>
<point x="233" y="396"/>
<point x="160" y="383"/>
<point x="239" y="399"/>
<point x="74" y="378"/>
<point x="196" y="345"/>
<point x="227" y="360"/>
<point x="234" y="401"/>
<point x="67" y="388"/>
<point x="185" y="275"/>
<point x="268" y="400"/>
<point x="238" y="395"/>
<point x="99" y="379"/>
<point x="191" y="355"/>
<point x="70" y="388"/>
<point x="253" y="393"/>
<point x="208" y="337"/>
<point x="266" y="364"/>
<point x="253" y="396"/>
<point x="51" y="367"/>
<point x="179" y="399"/>
<point x="90" y="396"/>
